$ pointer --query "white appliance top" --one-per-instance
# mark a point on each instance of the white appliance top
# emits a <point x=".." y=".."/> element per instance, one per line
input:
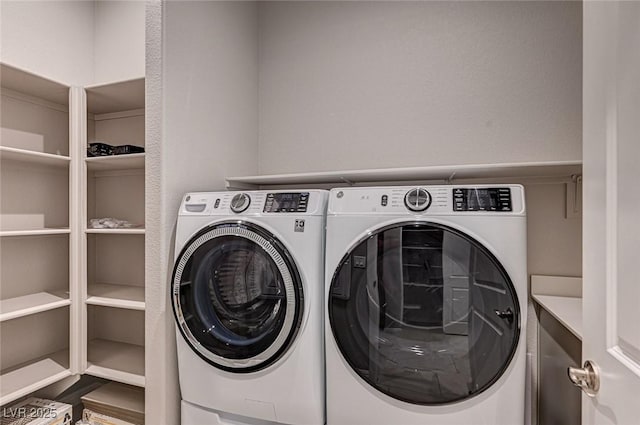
<point x="297" y="202"/>
<point x="478" y="200"/>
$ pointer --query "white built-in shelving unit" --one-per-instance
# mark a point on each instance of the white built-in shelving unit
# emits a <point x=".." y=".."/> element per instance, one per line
<point x="72" y="298"/>
<point x="114" y="186"/>
<point x="36" y="230"/>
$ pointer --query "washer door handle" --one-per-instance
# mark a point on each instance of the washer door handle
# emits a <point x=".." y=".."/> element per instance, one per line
<point x="506" y="315"/>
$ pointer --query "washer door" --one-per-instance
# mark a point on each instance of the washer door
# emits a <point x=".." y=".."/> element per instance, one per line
<point x="424" y="313"/>
<point x="237" y="296"/>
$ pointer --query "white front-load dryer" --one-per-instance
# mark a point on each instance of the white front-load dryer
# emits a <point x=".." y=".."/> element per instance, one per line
<point x="247" y="293"/>
<point x="426" y="291"/>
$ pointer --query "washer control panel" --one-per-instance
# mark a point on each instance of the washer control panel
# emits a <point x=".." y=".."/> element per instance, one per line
<point x="310" y="202"/>
<point x="280" y="202"/>
<point x="482" y="199"/>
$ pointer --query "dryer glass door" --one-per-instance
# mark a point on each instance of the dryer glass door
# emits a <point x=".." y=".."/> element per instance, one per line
<point x="237" y="296"/>
<point x="424" y="313"/>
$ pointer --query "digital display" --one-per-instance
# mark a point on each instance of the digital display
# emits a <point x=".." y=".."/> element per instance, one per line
<point x="482" y="199"/>
<point x="489" y="199"/>
<point x="286" y="202"/>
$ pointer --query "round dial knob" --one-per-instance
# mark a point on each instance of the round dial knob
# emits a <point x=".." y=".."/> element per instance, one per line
<point x="240" y="202"/>
<point x="417" y="199"/>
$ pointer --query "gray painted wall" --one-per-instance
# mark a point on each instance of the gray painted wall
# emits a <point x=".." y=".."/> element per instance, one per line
<point x="364" y="84"/>
<point x="75" y="42"/>
<point x="119" y="40"/>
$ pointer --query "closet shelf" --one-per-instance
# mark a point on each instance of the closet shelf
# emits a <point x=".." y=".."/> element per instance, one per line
<point x="32" y="376"/>
<point x="116" y="162"/>
<point x="116" y="361"/>
<point x="446" y="173"/>
<point x="36" y="232"/>
<point x="23" y="155"/>
<point x="34" y="85"/>
<point x="116" y="97"/>
<point x="134" y="231"/>
<point x="119" y="296"/>
<point x="26" y="305"/>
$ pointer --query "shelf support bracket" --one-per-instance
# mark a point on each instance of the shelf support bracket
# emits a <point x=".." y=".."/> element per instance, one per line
<point x="347" y="181"/>
<point x="573" y="197"/>
<point x="449" y="180"/>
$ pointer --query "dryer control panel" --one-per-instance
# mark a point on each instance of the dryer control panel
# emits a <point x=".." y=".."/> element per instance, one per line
<point x="485" y="200"/>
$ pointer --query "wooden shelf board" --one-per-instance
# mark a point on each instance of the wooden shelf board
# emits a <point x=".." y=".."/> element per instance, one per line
<point x="116" y="162"/>
<point x="23" y="155"/>
<point x="26" y="305"/>
<point x="35" y="232"/>
<point x="34" y="375"/>
<point x="116" y="97"/>
<point x="119" y="296"/>
<point x="134" y="231"/>
<point x="431" y="173"/>
<point x="26" y="82"/>
<point x="116" y="361"/>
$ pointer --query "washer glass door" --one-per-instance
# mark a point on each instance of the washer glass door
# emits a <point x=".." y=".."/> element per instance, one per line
<point x="424" y="313"/>
<point x="237" y="296"/>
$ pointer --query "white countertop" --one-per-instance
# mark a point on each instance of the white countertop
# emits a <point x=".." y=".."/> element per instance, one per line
<point x="567" y="310"/>
<point x="561" y="296"/>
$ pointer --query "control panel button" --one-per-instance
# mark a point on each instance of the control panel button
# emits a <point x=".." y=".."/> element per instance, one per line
<point x="384" y="200"/>
<point x="240" y="202"/>
<point x="417" y="199"/>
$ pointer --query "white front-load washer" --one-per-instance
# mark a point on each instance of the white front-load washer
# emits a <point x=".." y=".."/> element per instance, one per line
<point x="247" y="293"/>
<point x="426" y="291"/>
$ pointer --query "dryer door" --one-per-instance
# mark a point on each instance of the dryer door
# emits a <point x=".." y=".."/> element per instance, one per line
<point x="424" y="313"/>
<point x="237" y="296"/>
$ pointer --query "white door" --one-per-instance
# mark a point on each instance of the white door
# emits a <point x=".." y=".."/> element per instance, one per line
<point x="611" y="256"/>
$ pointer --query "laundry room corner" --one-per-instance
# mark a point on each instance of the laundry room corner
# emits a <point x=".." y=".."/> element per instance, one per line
<point x="319" y="212"/>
